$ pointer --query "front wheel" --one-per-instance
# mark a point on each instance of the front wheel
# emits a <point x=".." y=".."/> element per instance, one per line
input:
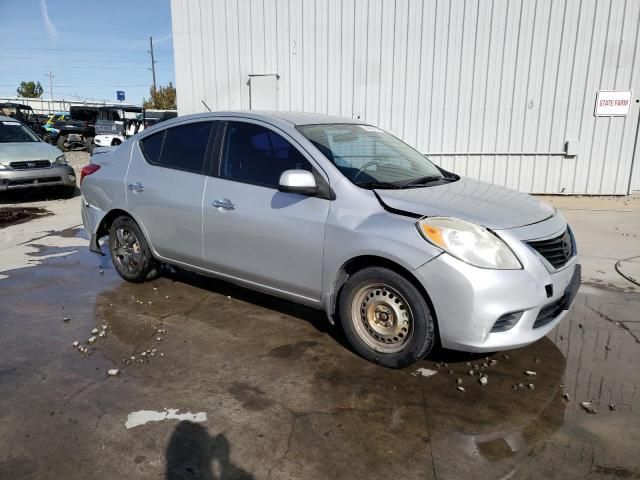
<point x="130" y="252"/>
<point x="386" y="318"/>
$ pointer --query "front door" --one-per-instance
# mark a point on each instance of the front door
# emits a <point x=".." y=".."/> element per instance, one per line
<point x="251" y="230"/>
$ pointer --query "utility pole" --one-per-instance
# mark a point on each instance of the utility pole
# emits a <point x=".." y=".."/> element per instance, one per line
<point x="51" y="76"/>
<point x="153" y="62"/>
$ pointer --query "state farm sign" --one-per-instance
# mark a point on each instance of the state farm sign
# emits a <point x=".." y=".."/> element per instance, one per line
<point x="612" y="103"/>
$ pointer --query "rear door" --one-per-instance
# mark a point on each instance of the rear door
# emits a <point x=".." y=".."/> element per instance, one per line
<point x="165" y="183"/>
<point x="254" y="232"/>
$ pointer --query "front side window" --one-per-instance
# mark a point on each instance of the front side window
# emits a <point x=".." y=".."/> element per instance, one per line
<point x="373" y="158"/>
<point x="183" y="147"/>
<point x="13" y="131"/>
<point x="257" y="155"/>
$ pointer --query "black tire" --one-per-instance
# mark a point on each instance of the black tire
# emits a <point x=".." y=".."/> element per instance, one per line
<point x="60" y="143"/>
<point x="131" y="257"/>
<point x="406" y="332"/>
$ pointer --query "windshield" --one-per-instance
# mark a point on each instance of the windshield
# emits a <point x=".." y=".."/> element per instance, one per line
<point x="15" y="132"/>
<point x="373" y="158"/>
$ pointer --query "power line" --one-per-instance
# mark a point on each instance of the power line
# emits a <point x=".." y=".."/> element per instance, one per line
<point x="92" y="67"/>
<point x="74" y="49"/>
<point x="86" y="86"/>
<point x="65" y="59"/>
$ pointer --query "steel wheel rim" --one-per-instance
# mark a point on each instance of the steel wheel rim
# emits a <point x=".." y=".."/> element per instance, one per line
<point x="126" y="250"/>
<point x="382" y="318"/>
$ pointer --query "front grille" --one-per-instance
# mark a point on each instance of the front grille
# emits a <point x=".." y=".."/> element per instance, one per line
<point x="30" y="164"/>
<point x="34" y="181"/>
<point x="557" y="251"/>
<point x="549" y="312"/>
<point x="506" y="322"/>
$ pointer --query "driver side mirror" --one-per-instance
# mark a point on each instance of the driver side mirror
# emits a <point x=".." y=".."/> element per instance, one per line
<point x="298" y="181"/>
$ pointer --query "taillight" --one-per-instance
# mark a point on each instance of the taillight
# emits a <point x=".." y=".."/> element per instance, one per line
<point x="88" y="170"/>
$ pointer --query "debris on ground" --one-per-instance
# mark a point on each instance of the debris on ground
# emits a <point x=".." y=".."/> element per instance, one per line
<point x="113" y="372"/>
<point x="566" y="397"/>
<point x="459" y="381"/>
<point x="94" y="331"/>
<point x="75" y="344"/>
<point x="493" y="362"/>
<point x="66" y="319"/>
<point x="505" y="356"/>
<point x="612" y="407"/>
<point x="530" y="373"/>
<point x="425" y="372"/>
<point x="536" y="360"/>
<point x="471" y="373"/>
<point x="589" y="408"/>
<point x="483" y="380"/>
<point x="461" y="388"/>
<point x="531" y="386"/>
<point x="91" y="341"/>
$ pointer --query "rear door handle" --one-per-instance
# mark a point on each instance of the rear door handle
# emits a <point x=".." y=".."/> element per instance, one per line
<point x="224" y="203"/>
<point x="136" y="187"/>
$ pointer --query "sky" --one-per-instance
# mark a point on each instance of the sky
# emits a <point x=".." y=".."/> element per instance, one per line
<point x="92" y="47"/>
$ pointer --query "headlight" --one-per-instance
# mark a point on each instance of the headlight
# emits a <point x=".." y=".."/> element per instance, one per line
<point x="61" y="160"/>
<point x="468" y="242"/>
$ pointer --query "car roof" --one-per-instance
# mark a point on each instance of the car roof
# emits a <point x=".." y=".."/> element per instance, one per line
<point x="4" y="118"/>
<point x="294" y="118"/>
<point x="14" y="105"/>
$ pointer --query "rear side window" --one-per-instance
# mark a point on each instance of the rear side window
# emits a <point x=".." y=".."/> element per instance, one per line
<point x="182" y="148"/>
<point x="257" y="155"/>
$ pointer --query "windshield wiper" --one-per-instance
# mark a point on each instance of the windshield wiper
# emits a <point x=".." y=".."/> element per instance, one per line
<point x="379" y="185"/>
<point x="423" y="180"/>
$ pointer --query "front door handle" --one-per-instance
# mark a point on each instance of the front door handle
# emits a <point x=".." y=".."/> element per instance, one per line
<point x="224" y="203"/>
<point x="136" y="187"/>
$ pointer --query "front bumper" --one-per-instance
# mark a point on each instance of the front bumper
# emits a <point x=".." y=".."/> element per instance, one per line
<point x="56" y="175"/>
<point x="468" y="300"/>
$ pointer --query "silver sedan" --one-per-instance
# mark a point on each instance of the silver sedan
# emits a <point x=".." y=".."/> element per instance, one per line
<point x="338" y="215"/>
<point x="28" y="162"/>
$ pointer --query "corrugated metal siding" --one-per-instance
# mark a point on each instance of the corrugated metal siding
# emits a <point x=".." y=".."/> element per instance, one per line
<point x="447" y="76"/>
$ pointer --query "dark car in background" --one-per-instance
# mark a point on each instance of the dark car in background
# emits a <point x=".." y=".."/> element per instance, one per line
<point x="25" y="115"/>
<point x="76" y="132"/>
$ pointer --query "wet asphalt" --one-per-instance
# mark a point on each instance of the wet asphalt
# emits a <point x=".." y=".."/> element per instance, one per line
<point x="285" y="397"/>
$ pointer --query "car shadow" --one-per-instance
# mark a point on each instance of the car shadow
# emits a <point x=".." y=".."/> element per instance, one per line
<point x="193" y="453"/>
<point x="40" y="194"/>
<point x="317" y="318"/>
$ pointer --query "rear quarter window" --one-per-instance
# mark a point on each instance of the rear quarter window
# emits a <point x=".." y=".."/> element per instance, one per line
<point x="182" y="148"/>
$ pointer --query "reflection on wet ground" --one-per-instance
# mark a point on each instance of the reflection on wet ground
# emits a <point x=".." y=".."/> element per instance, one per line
<point x="285" y="397"/>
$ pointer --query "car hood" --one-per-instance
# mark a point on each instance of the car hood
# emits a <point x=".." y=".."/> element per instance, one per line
<point x="483" y="203"/>
<point x="21" y="151"/>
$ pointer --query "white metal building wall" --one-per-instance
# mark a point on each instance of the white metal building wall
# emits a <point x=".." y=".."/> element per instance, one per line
<point x="467" y="78"/>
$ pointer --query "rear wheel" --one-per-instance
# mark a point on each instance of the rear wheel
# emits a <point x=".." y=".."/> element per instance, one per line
<point x="386" y="318"/>
<point x="130" y="251"/>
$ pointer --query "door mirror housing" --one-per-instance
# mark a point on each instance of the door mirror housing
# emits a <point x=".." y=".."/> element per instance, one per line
<point x="298" y="181"/>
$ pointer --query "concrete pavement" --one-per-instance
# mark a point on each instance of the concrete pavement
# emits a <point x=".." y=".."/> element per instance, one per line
<point x="283" y="395"/>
